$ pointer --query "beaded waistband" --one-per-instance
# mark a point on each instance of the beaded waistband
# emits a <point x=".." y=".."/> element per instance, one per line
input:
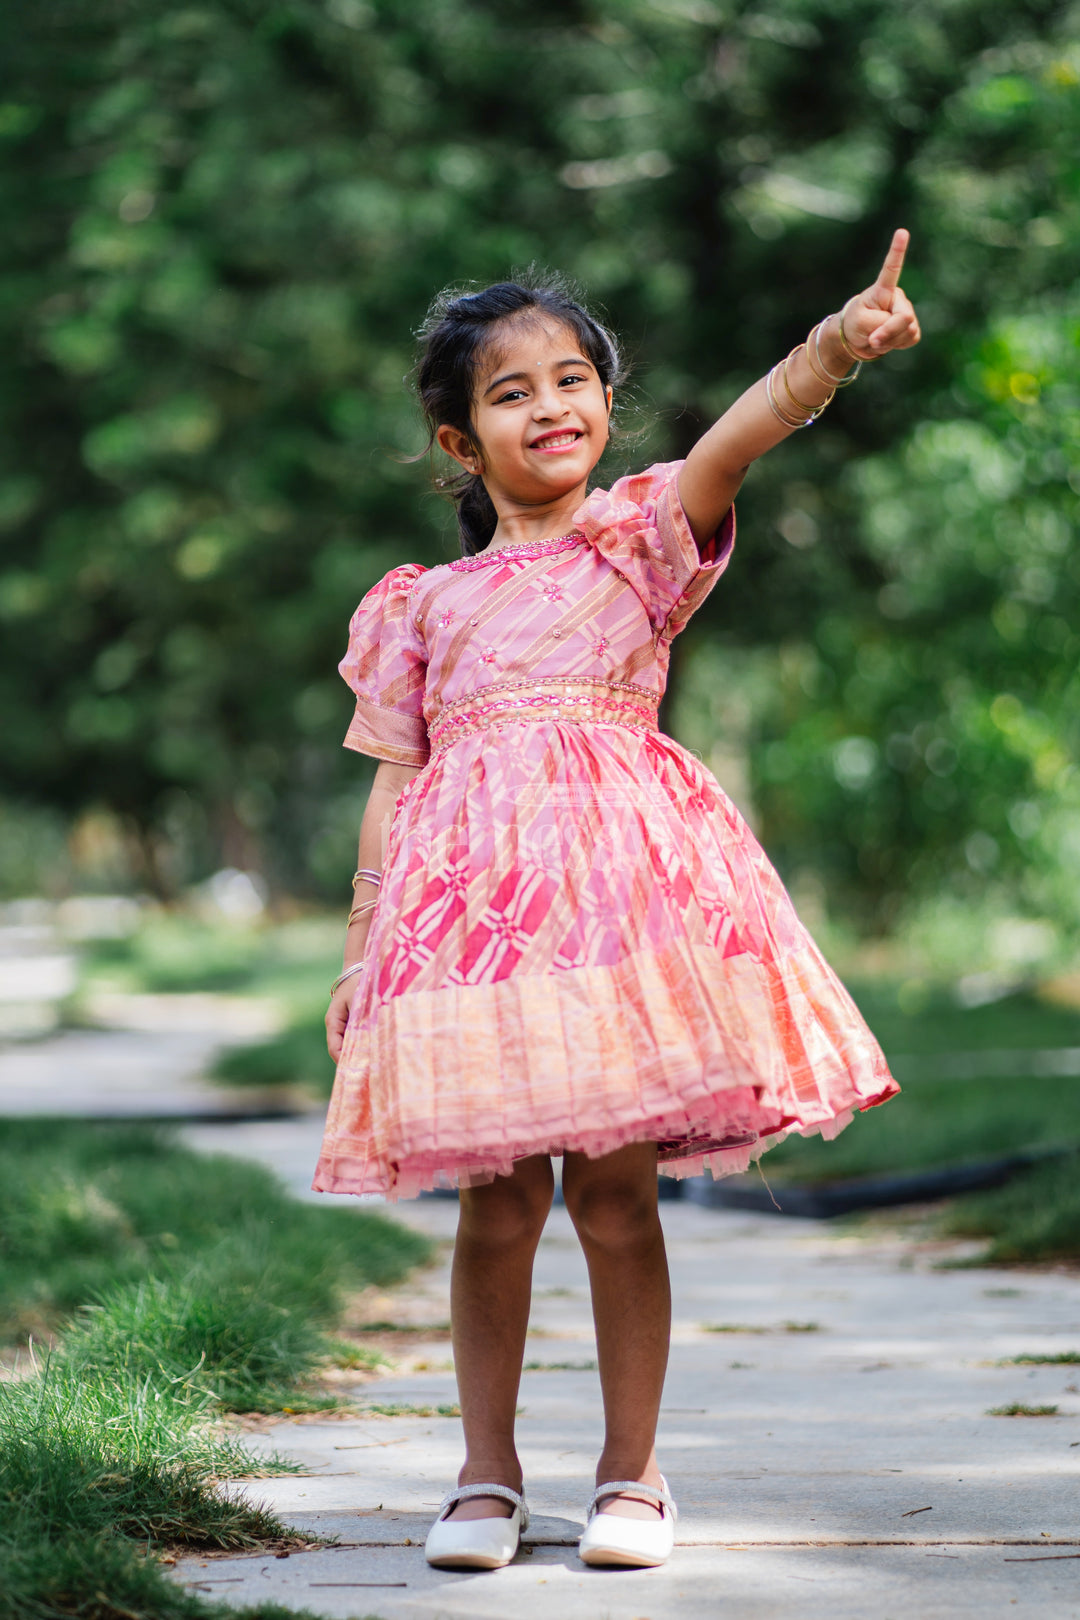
<point x="579" y="700"/>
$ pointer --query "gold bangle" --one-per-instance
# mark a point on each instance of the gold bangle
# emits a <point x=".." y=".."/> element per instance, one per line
<point x="825" y="375"/>
<point x="812" y="411"/>
<point x="774" y="403"/>
<point x="845" y="345"/>
<point x="360" y="911"/>
<point x="368" y="875"/>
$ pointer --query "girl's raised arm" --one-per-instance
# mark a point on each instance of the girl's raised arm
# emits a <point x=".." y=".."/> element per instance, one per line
<point x="795" y="392"/>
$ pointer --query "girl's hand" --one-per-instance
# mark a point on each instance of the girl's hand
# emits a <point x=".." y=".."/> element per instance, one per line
<point x="337" y="1016"/>
<point x="882" y="318"/>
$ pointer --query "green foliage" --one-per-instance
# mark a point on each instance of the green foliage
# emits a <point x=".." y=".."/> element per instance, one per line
<point x="221" y="224"/>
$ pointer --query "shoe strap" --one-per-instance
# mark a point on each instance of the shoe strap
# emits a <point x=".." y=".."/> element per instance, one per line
<point x="628" y="1487"/>
<point x="462" y="1493"/>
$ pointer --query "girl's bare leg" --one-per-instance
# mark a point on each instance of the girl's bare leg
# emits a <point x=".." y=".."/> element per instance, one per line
<point x="612" y="1202"/>
<point x="499" y="1227"/>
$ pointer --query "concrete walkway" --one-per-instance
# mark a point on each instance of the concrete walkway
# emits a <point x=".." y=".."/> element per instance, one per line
<point x="825" y="1431"/>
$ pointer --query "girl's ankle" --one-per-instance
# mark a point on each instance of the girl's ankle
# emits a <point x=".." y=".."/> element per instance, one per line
<point x="492" y="1474"/>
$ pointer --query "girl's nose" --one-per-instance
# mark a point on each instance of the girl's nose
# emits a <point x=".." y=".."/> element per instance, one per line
<point x="549" y="403"/>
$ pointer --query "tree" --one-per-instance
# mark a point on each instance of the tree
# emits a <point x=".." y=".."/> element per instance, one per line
<point x="221" y="224"/>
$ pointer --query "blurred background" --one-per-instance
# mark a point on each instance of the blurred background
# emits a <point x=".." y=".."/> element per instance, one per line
<point x="220" y="224"/>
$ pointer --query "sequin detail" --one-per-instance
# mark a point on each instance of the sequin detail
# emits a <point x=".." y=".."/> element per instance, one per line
<point x="582" y="699"/>
<point x="526" y="551"/>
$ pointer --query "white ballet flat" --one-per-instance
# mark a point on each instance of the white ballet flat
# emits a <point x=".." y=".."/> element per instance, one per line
<point x="629" y="1543"/>
<point x="476" y="1543"/>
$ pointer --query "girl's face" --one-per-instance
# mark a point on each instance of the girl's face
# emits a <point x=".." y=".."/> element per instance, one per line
<point x="540" y="413"/>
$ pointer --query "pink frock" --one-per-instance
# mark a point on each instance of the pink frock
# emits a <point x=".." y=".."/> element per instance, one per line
<point x="578" y="942"/>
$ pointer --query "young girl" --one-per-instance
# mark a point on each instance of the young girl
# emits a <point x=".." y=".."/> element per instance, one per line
<point x="571" y="943"/>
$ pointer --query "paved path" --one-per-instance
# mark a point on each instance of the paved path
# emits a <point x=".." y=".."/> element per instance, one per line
<point x="844" y="1471"/>
<point x="150" y="1063"/>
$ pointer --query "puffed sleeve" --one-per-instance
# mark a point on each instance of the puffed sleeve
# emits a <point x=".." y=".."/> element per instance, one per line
<point x="640" y="527"/>
<point x="386" y="666"/>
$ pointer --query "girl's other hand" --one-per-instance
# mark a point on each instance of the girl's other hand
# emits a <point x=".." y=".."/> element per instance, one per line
<point x="337" y="1016"/>
<point x="882" y="317"/>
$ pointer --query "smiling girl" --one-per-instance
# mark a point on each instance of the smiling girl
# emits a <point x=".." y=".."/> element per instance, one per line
<point x="571" y="944"/>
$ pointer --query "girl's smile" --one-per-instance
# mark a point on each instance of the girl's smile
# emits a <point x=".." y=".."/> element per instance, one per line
<point x="556" y="441"/>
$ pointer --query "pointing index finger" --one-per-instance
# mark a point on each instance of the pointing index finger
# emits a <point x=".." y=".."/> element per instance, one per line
<point x="894" y="260"/>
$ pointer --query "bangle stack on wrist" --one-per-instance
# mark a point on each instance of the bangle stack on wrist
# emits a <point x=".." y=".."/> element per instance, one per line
<point x="806" y="414"/>
<point x="362" y="908"/>
<point x="794" y="412"/>
<point x="365" y="874"/>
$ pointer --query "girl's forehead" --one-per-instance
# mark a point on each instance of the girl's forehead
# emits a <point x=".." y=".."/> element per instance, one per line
<point x="526" y="341"/>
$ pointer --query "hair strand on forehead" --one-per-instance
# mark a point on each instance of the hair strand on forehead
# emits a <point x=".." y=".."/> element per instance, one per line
<point x="458" y="329"/>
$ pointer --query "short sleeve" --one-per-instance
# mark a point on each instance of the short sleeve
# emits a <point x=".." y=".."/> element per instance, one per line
<point x="640" y="527"/>
<point x="386" y="666"/>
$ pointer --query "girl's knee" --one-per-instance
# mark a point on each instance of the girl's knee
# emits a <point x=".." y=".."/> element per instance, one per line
<point x="613" y="1213"/>
<point x="510" y="1210"/>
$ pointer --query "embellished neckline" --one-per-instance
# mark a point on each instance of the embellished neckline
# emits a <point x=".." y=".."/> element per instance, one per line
<point x="522" y="551"/>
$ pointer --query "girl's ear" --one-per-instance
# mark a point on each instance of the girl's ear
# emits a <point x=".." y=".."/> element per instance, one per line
<point x="460" y="447"/>
<point x="609" y="394"/>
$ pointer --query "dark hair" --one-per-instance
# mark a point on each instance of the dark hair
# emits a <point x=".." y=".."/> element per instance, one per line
<point x="454" y="336"/>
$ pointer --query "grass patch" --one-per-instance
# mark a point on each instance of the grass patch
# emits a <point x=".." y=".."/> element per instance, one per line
<point x="350" y="1357"/>
<point x="1067" y="1358"/>
<point x="1018" y="1409"/>
<point x="436" y="1330"/>
<point x="201" y="1288"/>
<point x="559" y="1366"/>
<point x="85" y="1208"/>
<point x="295" y="1057"/>
<point x="1035" y="1217"/>
<point x="407" y="1409"/>
<point x="784" y="1327"/>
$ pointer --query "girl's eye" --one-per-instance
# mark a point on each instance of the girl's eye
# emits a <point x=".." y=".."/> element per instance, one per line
<point x="511" y="395"/>
<point x="573" y="377"/>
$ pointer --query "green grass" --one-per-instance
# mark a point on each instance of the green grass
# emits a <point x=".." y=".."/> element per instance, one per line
<point x="295" y="1057"/>
<point x="200" y="1289"/>
<point x="84" y="1208"/>
<point x="739" y="1327"/>
<point x="1067" y="1358"/>
<point x="1018" y="1409"/>
<point x="407" y="1409"/>
<point x="1035" y="1217"/>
